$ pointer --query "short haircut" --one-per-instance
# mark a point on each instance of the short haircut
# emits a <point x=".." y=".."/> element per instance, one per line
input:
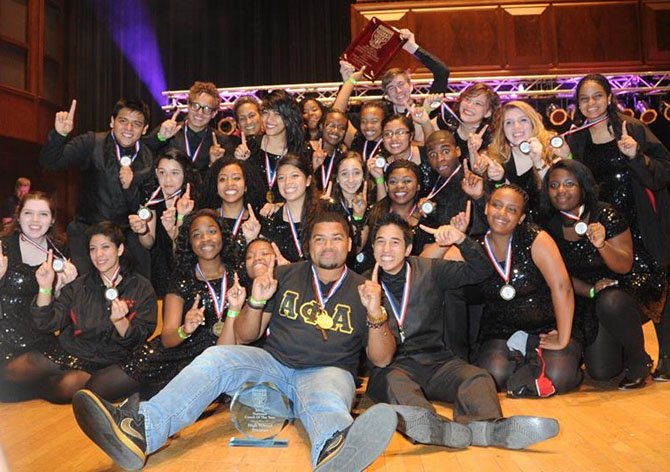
<point x="393" y="219"/>
<point x="133" y="105"/>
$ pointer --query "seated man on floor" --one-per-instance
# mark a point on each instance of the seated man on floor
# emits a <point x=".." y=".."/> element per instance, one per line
<point x="424" y="368"/>
<point x="320" y="315"/>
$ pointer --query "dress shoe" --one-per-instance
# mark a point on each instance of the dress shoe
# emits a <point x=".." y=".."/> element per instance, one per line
<point x="631" y="381"/>
<point x="662" y="372"/>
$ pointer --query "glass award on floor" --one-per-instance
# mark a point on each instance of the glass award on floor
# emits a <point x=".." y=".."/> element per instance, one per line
<point x="260" y="411"/>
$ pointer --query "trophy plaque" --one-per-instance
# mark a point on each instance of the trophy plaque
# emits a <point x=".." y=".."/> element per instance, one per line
<point x="260" y="411"/>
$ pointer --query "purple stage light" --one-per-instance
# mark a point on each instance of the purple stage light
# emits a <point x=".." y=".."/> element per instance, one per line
<point x="129" y="23"/>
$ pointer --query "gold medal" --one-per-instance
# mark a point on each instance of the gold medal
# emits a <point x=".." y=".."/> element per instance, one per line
<point x="217" y="329"/>
<point x="323" y="321"/>
<point x="269" y="196"/>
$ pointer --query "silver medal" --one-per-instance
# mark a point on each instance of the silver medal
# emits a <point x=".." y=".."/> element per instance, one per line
<point x="380" y="162"/>
<point x="144" y="213"/>
<point x="434" y="104"/>
<point x="427" y="207"/>
<point x="58" y="265"/>
<point x="524" y="147"/>
<point x="507" y="292"/>
<point x="360" y="257"/>
<point x="556" y="142"/>
<point x="111" y="294"/>
<point x="581" y="228"/>
<point x="126" y="161"/>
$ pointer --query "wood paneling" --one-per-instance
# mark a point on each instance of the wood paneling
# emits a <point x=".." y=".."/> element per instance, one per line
<point x="515" y="37"/>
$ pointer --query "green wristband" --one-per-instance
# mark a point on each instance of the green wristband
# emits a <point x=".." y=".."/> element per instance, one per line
<point x="232" y="314"/>
<point x="379" y="180"/>
<point x="182" y="334"/>
<point x="357" y="218"/>
<point x="160" y="137"/>
<point x="352" y="80"/>
<point x="592" y="292"/>
<point x="180" y="218"/>
<point x="46" y="291"/>
<point x="256" y="304"/>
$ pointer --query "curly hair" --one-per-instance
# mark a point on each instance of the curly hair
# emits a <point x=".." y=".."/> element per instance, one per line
<point x="204" y="87"/>
<point x="252" y="182"/>
<point x="500" y="149"/>
<point x="339" y="160"/>
<point x="284" y="104"/>
<point x="312" y="97"/>
<point x="383" y="206"/>
<point x="186" y="259"/>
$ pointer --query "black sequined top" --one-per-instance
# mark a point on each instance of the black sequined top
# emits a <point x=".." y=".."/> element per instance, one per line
<point x="531" y="309"/>
<point x="279" y="231"/>
<point x="17" y="289"/>
<point x="162" y="255"/>
<point x="646" y="280"/>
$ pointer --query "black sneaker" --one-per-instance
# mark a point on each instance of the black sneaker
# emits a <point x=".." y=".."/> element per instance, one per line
<point x="426" y="427"/>
<point x="357" y="446"/>
<point x="515" y="432"/>
<point x="662" y="372"/>
<point x="118" y="431"/>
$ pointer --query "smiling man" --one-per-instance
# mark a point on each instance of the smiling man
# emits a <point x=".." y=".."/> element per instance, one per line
<point x="320" y="315"/>
<point x="113" y="165"/>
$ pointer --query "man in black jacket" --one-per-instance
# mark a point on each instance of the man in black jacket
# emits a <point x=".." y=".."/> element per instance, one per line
<point x="424" y="368"/>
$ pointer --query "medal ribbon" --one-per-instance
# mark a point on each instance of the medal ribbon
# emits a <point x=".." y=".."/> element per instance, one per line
<point x="443" y="107"/>
<point x="238" y="221"/>
<point x="154" y="201"/>
<point x="30" y="240"/>
<point x="188" y="146"/>
<point x="367" y="156"/>
<point x="320" y="299"/>
<point x="574" y="217"/>
<point x="117" y="149"/>
<point x="111" y="281"/>
<point x="325" y="176"/>
<point x="434" y="191"/>
<point x="217" y="302"/>
<point x="401" y="314"/>
<point x="586" y="125"/>
<point x="294" y="231"/>
<point x="505" y="272"/>
<point x="270" y="175"/>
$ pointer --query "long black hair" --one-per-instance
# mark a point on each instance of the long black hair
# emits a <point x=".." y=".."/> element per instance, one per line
<point x="615" y="122"/>
<point x="285" y="105"/>
<point x="252" y="180"/>
<point x="585" y="179"/>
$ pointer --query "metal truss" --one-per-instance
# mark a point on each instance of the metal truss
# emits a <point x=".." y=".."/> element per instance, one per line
<point x="521" y="87"/>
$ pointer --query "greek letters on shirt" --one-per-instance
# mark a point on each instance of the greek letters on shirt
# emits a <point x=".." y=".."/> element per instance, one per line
<point x="290" y="307"/>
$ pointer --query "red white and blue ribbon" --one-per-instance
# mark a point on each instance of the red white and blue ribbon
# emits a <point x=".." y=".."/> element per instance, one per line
<point x="154" y="200"/>
<point x="320" y="298"/>
<point x="503" y="272"/>
<point x="401" y="314"/>
<point x="50" y="243"/>
<point x="325" y="176"/>
<point x="117" y="149"/>
<point x="294" y="231"/>
<point x="367" y="156"/>
<point x="217" y="302"/>
<point x="188" y="146"/>
<point x="572" y="217"/>
<point x="436" y="190"/>
<point x="270" y="175"/>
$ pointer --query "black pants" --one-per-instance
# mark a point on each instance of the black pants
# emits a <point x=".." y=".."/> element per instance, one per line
<point x="470" y="389"/>
<point x="139" y="257"/>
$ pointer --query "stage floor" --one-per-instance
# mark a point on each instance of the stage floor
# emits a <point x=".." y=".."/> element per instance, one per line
<point x="601" y="429"/>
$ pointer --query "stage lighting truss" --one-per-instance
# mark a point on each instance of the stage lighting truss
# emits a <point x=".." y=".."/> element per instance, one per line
<point x="508" y="88"/>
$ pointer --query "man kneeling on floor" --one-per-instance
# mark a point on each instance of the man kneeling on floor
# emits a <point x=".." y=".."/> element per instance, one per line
<point x="314" y="367"/>
<point x="424" y="368"/>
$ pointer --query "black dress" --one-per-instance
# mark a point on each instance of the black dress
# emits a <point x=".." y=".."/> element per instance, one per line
<point x="162" y="254"/>
<point x="17" y="289"/>
<point x="152" y="364"/>
<point x="531" y="310"/>
<point x="645" y="282"/>
<point x="279" y="231"/>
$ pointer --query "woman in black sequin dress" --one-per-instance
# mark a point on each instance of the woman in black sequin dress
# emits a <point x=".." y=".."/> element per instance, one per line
<point x="616" y="281"/>
<point x="163" y="198"/>
<point x="632" y="168"/>
<point x="284" y="228"/>
<point x="531" y="292"/>
<point x="18" y="262"/>
<point x="192" y="320"/>
<point x="101" y="318"/>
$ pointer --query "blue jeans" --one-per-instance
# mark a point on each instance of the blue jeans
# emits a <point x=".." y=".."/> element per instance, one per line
<point x="322" y="396"/>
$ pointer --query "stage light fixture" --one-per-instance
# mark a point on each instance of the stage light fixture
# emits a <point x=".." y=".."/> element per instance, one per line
<point x="647" y="114"/>
<point x="556" y="114"/>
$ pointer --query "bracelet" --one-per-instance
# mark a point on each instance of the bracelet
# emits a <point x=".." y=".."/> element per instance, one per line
<point x="46" y="291"/>
<point x="180" y="217"/>
<point x="569" y="156"/>
<point x="379" y="180"/>
<point x="256" y="304"/>
<point x="352" y="80"/>
<point x="182" y="334"/>
<point x="372" y="325"/>
<point x="357" y="218"/>
<point x="232" y="314"/>
<point x="604" y="244"/>
<point x="592" y="292"/>
<point x="378" y="321"/>
<point x="160" y="137"/>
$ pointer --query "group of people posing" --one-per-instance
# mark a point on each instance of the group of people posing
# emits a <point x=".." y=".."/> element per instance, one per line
<point x="465" y="252"/>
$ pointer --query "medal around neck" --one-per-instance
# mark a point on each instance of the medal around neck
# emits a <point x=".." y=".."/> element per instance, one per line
<point x="111" y="294"/>
<point x="507" y="292"/>
<point x="581" y="228"/>
<point x="126" y="161"/>
<point x="556" y="142"/>
<point x="269" y="196"/>
<point x="380" y="162"/>
<point x="58" y="265"/>
<point x="524" y="147"/>
<point x="144" y="213"/>
<point x="260" y="411"/>
<point x="427" y="207"/>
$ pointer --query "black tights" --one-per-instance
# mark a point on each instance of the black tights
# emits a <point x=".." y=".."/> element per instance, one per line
<point x="112" y="383"/>
<point x="562" y="367"/>
<point x="53" y="383"/>
<point x="620" y="341"/>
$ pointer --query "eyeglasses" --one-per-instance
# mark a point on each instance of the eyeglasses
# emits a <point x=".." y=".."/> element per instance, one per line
<point x="399" y="133"/>
<point x="195" y="106"/>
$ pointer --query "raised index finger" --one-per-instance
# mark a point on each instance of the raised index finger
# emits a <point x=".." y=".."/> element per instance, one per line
<point x="250" y="209"/>
<point x="428" y="229"/>
<point x="483" y="130"/>
<point x="244" y="139"/>
<point x="73" y="107"/>
<point x="50" y="257"/>
<point x="468" y="206"/>
<point x="175" y="115"/>
<point x="624" y="130"/>
<point x="196" y="301"/>
<point x="187" y="194"/>
<point x="375" y="273"/>
<point x="216" y="143"/>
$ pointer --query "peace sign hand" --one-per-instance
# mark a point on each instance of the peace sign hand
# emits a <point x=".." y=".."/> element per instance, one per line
<point x="281" y="260"/>
<point x="475" y="140"/>
<point x="445" y="235"/>
<point x="64" y="122"/>
<point x="472" y="184"/>
<point x="251" y="228"/>
<point x="627" y="144"/>
<point x="45" y="274"/>
<point x="461" y="221"/>
<point x="265" y="285"/>
<point x="170" y="127"/>
<point x="370" y="292"/>
<point x="318" y="156"/>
